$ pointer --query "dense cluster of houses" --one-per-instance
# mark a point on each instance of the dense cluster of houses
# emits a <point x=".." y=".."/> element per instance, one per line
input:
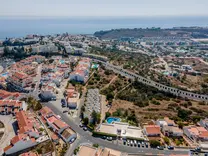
<point x="21" y="74"/>
<point x="81" y="71"/>
<point x="59" y="127"/>
<point x="52" y="75"/>
<point x="29" y="134"/>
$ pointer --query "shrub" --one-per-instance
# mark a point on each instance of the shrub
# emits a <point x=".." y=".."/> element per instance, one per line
<point x="167" y="141"/>
<point x="97" y="134"/>
<point x="154" y="143"/>
<point x="107" y="114"/>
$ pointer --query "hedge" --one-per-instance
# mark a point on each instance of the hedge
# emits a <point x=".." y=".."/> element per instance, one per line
<point x="132" y="138"/>
<point x="94" y="133"/>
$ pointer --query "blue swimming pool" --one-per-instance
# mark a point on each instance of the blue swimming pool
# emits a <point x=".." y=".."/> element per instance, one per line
<point x="5" y="74"/>
<point x="112" y="119"/>
<point x="62" y="61"/>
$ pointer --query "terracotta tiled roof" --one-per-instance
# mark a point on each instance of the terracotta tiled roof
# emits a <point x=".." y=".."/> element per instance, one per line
<point x="18" y="138"/>
<point x="152" y="129"/>
<point x="7" y="148"/>
<point x="29" y="154"/>
<point x="45" y="110"/>
<point x="60" y="124"/>
<point x="203" y="134"/>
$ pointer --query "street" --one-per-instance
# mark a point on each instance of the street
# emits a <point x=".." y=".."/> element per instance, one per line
<point x="86" y="137"/>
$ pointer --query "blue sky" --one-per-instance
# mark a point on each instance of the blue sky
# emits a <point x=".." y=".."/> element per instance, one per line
<point x="69" y="8"/>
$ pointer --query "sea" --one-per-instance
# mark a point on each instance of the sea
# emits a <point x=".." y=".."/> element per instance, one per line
<point x="22" y="26"/>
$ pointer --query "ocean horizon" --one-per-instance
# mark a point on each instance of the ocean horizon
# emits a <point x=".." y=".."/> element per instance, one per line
<point x="21" y="26"/>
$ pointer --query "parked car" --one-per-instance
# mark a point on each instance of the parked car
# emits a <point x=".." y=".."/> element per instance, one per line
<point x="109" y="138"/>
<point x="146" y="145"/>
<point x="104" y="137"/>
<point x="138" y="144"/>
<point x="63" y="105"/>
<point x="63" y="101"/>
<point x="170" y="147"/>
<point x="128" y="142"/>
<point x="160" y="147"/>
<point x="132" y="143"/>
<point x="135" y="143"/>
<point x="124" y="142"/>
<point x="81" y="125"/>
<point x="85" y="128"/>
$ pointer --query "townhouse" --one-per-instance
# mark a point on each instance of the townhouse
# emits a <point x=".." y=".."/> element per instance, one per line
<point x="169" y="128"/>
<point x="72" y="97"/>
<point x="58" y="126"/>
<point x="196" y="133"/>
<point x="9" y="95"/>
<point x="29" y="133"/>
<point x="11" y="106"/>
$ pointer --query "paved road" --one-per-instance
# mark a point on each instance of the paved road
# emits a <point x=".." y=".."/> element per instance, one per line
<point x="87" y="137"/>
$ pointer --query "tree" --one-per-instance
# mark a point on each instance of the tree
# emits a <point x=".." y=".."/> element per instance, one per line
<point x="94" y="117"/>
<point x="180" y="125"/>
<point x="109" y="96"/>
<point x="184" y="114"/>
<point x="154" y="143"/>
<point x="98" y="118"/>
<point x="167" y="141"/>
<point x="107" y="114"/>
<point x="85" y="121"/>
<point x="82" y="109"/>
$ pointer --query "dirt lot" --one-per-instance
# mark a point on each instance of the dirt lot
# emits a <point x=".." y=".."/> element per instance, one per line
<point x="146" y="114"/>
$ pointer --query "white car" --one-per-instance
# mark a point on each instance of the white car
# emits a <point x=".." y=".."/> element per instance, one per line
<point x="132" y="142"/>
<point x="59" y="116"/>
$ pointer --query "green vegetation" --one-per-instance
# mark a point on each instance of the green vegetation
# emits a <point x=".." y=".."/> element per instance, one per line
<point x="178" y="141"/>
<point x="85" y="121"/>
<point x="76" y="150"/>
<point x="96" y="145"/>
<point x="184" y="114"/>
<point x="44" y="147"/>
<point x="141" y="94"/>
<point x="96" y="117"/>
<point x="32" y="103"/>
<point x="98" y="134"/>
<point x="107" y="114"/>
<point x="127" y="116"/>
<point x="167" y="141"/>
<point x="154" y="143"/>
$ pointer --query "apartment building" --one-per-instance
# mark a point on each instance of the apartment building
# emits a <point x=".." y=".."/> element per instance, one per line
<point x="19" y="81"/>
<point x="81" y="72"/>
